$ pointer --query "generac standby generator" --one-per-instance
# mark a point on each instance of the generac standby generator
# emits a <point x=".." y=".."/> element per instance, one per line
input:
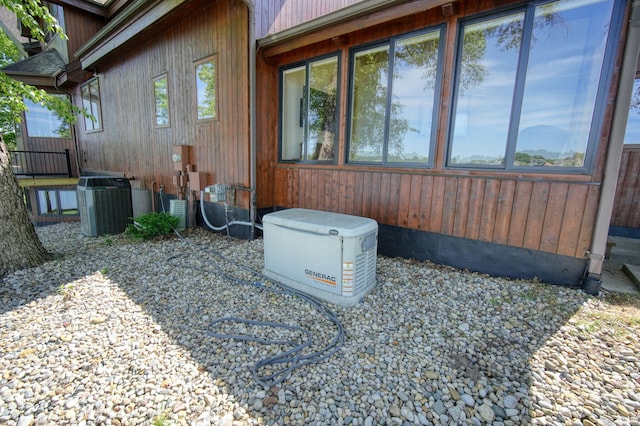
<point x="330" y="256"/>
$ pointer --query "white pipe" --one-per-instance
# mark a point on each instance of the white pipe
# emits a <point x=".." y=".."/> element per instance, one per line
<point x="616" y="140"/>
<point x="223" y="227"/>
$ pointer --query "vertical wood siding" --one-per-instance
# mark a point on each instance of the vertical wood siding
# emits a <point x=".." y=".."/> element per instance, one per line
<point x="546" y="216"/>
<point x="626" y="207"/>
<point x="544" y="212"/>
<point x="273" y="16"/>
<point x="131" y="143"/>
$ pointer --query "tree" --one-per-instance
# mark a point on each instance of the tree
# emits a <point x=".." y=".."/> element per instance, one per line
<point x="19" y="243"/>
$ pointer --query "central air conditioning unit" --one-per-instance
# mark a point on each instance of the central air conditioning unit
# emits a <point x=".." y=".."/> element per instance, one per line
<point x="330" y="256"/>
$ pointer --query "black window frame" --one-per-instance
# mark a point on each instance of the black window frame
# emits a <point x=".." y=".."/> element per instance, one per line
<point x="438" y="93"/>
<point x="304" y="107"/>
<point x="600" y="104"/>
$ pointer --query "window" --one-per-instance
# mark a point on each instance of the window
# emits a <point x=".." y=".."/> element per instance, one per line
<point x="43" y="123"/>
<point x="528" y="87"/>
<point x="161" y="99"/>
<point x="393" y="108"/>
<point x="206" y="89"/>
<point x="309" y="111"/>
<point x="632" y="133"/>
<point x="90" y="93"/>
<point x="57" y="202"/>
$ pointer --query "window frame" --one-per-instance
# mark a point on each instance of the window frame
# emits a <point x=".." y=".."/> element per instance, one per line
<point x="304" y="107"/>
<point x="154" y="80"/>
<point x="438" y="94"/>
<point x="216" y="113"/>
<point x="59" y="211"/>
<point x="97" y="124"/>
<point x="599" y="106"/>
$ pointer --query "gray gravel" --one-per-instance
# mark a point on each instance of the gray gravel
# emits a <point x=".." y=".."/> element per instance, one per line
<point x="118" y="332"/>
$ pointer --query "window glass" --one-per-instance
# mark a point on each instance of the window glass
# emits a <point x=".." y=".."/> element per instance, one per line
<point x="47" y="202"/>
<point x="369" y="104"/>
<point x="206" y="89"/>
<point x="392" y="116"/>
<point x="565" y="61"/>
<point x="415" y="67"/>
<point x="527" y="86"/>
<point x="57" y="202"/>
<point x="43" y="123"/>
<point x="161" y="98"/>
<point x="309" y="111"/>
<point x="90" y="93"/>
<point x="486" y="81"/>
<point x="632" y="134"/>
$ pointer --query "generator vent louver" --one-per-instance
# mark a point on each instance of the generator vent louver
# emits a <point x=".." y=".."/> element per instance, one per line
<point x="330" y="256"/>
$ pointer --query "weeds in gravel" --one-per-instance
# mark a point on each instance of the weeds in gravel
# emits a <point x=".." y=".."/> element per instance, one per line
<point x="618" y="314"/>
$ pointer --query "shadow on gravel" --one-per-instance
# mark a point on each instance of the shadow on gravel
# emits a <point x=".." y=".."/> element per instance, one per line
<point x="429" y="345"/>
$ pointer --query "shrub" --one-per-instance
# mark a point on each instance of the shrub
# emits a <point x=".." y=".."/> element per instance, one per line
<point x="152" y="225"/>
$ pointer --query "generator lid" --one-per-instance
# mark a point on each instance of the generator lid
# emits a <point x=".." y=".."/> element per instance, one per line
<point x="321" y="222"/>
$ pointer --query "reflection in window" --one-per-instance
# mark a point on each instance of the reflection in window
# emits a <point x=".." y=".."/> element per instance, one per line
<point x="632" y="134"/>
<point x="90" y="93"/>
<point x="161" y="98"/>
<point x="309" y="113"/>
<point x="543" y="115"/>
<point x="392" y="118"/>
<point x="206" y="89"/>
<point x="43" y="123"/>
<point x="57" y="202"/>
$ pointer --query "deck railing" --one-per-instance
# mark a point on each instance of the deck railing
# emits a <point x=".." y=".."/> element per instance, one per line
<point x="41" y="163"/>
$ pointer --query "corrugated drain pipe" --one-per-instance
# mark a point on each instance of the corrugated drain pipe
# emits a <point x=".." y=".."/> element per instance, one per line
<point x="252" y="115"/>
<point x="591" y="282"/>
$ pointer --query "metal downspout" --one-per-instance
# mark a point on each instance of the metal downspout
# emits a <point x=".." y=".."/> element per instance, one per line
<point x="252" y="114"/>
<point x="591" y="282"/>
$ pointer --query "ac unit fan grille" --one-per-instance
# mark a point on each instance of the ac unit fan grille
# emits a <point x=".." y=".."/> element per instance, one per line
<point x="365" y="270"/>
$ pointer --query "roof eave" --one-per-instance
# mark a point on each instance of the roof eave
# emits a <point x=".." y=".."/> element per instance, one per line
<point x="366" y="14"/>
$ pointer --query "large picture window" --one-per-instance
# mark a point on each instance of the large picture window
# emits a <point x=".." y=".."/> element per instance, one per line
<point x="43" y="123"/>
<point x="393" y="103"/>
<point x="527" y="87"/>
<point x="309" y="111"/>
<point x="90" y="93"/>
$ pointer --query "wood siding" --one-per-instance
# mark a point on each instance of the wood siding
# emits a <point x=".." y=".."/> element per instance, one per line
<point x="277" y="15"/>
<point x="626" y="207"/>
<point x="80" y="27"/>
<point x="49" y="145"/>
<point x="553" y="213"/>
<point x="130" y="143"/>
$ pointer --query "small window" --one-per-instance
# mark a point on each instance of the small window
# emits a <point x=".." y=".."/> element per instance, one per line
<point x="309" y="111"/>
<point x="632" y="134"/>
<point x="393" y="108"/>
<point x="161" y="99"/>
<point x="206" y="85"/>
<point x="43" y="123"/>
<point x="57" y="202"/>
<point x="528" y="91"/>
<point x="90" y="93"/>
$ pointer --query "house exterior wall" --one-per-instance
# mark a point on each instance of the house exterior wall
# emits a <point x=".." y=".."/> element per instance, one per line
<point x="273" y="16"/>
<point x="521" y="215"/>
<point x="626" y="208"/>
<point x="130" y="143"/>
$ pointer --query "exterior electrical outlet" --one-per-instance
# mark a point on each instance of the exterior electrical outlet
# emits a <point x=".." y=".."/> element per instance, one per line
<point x="330" y="256"/>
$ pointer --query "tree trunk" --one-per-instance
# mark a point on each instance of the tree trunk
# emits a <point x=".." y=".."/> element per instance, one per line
<point x="19" y="243"/>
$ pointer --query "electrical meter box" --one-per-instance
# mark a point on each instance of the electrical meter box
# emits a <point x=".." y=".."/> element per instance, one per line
<point x="330" y="256"/>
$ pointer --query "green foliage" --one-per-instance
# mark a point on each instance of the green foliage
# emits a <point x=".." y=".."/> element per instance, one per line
<point x="152" y="225"/>
<point x="12" y="93"/>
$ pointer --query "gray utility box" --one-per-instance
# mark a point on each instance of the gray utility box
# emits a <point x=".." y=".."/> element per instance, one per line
<point x="105" y="205"/>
